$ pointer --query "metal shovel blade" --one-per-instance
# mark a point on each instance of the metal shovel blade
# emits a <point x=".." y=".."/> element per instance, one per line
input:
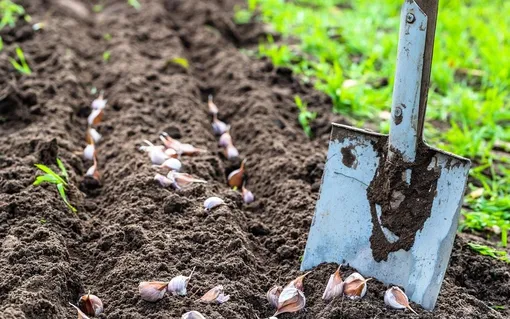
<point x="389" y="204"/>
<point x="344" y="226"/>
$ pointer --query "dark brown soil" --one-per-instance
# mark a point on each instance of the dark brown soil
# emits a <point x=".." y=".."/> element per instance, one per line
<point x="130" y="229"/>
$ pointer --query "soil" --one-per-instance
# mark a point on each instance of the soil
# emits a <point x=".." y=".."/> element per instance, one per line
<point x="397" y="199"/>
<point x="129" y="229"/>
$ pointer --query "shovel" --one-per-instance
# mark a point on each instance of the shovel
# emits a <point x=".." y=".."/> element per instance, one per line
<point x="389" y="204"/>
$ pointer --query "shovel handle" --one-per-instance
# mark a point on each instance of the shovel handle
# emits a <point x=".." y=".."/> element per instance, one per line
<point x="412" y="78"/>
<point x="429" y="7"/>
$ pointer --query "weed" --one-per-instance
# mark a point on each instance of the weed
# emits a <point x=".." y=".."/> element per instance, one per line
<point x="53" y="178"/>
<point x="489" y="251"/>
<point x="135" y="4"/>
<point x="107" y="36"/>
<point x="106" y="56"/>
<point x="1" y="44"/>
<point x="304" y="116"/>
<point x="21" y="66"/>
<point x="98" y="8"/>
<point x="179" y="61"/>
<point x="10" y="13"/>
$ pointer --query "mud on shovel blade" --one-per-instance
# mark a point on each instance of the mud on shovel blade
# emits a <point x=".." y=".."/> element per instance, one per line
<point x="389" y="205"/>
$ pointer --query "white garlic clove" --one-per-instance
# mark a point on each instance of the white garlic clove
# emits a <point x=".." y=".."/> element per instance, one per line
<point x="98" y="103"/>
<point x="219" y="127"/>
<point x="213" y="109"/>
<point x="193" y="315"/>
<point x="81" y="315"/>
<point x="231" y="152"/>
<point x="152" y="291"/>
<point x="178" y="284"/>
<point x="273" y="294"/>
<point x="225" y="139"/>
<point x="172" y="163"/>
<point x="248" y="196"/>
<point x="291" y="300"/>
<point x="89" y="151"/>
<point x="93" y="136"/>
<point x="95" y="117"/>
<point x="298" y="282"/>
<point x="181" y="180"/>
<point x="163" y="180"/>
<point x="395" y="298"/>
<point x="212" y="202"/>
<point x="355" y="286"/>
<point x="215" y="295"/>
<point x="157" y="156"/>
<point x="91" y="305"/>
<point x="335" y="286"/>
<point x="180" y="148"/>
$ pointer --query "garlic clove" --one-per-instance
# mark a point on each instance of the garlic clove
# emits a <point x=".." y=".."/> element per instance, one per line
<point x="181" y="180"/>
<point x="213" y="109"/>
<point x="98" y="103"/>
<point x="81" y="315"/>
<point x="291" y="300"/>
<point x="93" y="171"/>
<point x="248" y="196"/>
<point x="225" y="139"/>
<point x="152" y="291"/>
<point x="355" y="286"/>
<point x="335" y="286"/>
<point x="180" y="148"/>
<point x="177" y="286"/>
<point x="236" y="177"/>
<point x="219" y="127"/>
<point x="215" y="295"/>
<point x="95" y="117"/>
<point x="231" y="152"/>
<point x="163" y="180"/>
<point x="212" y="202"/>
<point x="157" y="156"/>
<point x="193" y="315"/>
<point x="298" y="282"/>
<point x="395" y="298"/>
<point x="89" y="151"/>
<point x="92" y="136"/>
<point x="171" y="152"/>
<point x="91" y="305"/>
<point x="171" y="163"/>
<point x="273" y="294"/>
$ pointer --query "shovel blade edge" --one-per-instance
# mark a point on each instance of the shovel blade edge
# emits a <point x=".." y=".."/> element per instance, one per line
<point x="342" y="223"/>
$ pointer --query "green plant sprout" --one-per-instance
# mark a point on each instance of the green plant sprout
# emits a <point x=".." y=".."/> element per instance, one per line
<point x="106" y="56"/>
<point x="10" y="13"/>
<point x="135" y="4"/>
<point x="304" y="116"/>
<point x="61" y="181"/>
<point x="22" y="67"/>
<point x="180" y="61"/>
<point x="489" y="251"/>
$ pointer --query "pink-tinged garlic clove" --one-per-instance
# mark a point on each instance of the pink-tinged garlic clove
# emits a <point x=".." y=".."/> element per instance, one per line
<point x="91" y="305"/>
<point x="152" y="291"/>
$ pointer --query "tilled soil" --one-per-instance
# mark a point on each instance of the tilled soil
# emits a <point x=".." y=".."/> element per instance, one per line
<point x="130" y="229"/>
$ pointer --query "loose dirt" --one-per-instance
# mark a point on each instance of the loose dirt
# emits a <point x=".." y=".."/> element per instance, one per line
<point x="130" y="229"/>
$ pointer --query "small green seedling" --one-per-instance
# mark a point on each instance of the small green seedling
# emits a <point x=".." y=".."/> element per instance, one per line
<point x="21" y="66"/>
<point x="180" y="61"/>
<point x="53" y="178"/>
<point x="135" y="4"/>
<point x="489" y="251"/>
<point x="106" y="56"/>
<point x="304" y="116"/>
<point x="97" y="8"/>
<point x="1" y="44"/>
<point x="10" y="13"/>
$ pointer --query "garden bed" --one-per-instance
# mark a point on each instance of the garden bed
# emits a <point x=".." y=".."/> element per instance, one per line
<point x="130" y="229"/>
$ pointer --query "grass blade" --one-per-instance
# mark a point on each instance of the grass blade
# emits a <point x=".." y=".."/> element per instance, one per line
<point x="62" y="192"/>
<point x="63" y="169"/>
<point x="49" y="171"/>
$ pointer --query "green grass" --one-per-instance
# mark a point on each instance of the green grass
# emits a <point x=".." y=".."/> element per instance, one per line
<point x="489" y="251"/>
<point x="21" y="66"/>
<point x="106" y="56"/>
<point x="59" y="180"/>
<point x="348" y="48"/>
<point x="135" y="4"/>
<point x="10" y="13"/>
<point x="304" y="116"/>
